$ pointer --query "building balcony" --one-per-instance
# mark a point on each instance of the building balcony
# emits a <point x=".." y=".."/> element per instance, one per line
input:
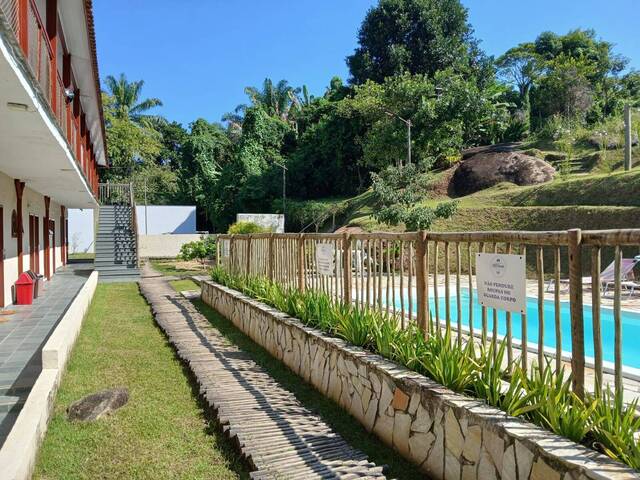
<point x="50" y="72"/>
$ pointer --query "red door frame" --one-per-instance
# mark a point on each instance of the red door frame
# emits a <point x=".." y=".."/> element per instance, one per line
<point x="1" y="257"/>
<point x="36" y="236"/>
<point x="32" y="243"/>
<point x="53" y="246"/>
<point x="45" y="238"/>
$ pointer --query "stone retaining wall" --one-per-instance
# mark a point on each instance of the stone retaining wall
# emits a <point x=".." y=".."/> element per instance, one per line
<point x="448" y="435"/>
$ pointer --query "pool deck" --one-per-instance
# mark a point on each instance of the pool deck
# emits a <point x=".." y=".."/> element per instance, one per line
<point x="24" y="333"/>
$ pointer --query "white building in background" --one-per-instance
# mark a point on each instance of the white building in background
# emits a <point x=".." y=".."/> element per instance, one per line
<point x="272" y="221"/>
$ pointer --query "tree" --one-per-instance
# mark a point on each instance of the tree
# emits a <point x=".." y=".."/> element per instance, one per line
<point x="448" y="113"/>
<point x="125" y="96"/>
<point x="276" y="99"/>
<point x="204" y="154"/>
<point x="398" y="192"/>
<point x="129" y="146"/>
<point x="521" y="67"/>
<point x="411" y="36"/>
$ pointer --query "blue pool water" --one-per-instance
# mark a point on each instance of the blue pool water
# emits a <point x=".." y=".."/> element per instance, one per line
<point x="630" y="326"/>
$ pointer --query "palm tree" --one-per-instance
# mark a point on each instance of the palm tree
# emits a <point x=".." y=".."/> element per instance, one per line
<point x="278" y="99"/>
<point x="126" y="99"/>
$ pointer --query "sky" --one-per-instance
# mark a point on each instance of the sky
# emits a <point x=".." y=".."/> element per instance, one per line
<point x="198" y="55"/>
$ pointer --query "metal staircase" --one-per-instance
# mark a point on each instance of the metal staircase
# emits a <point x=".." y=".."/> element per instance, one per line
<point x="116" y="244"/>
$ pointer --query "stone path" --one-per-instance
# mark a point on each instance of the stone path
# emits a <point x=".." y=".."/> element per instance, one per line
<point x="277" y="435"/>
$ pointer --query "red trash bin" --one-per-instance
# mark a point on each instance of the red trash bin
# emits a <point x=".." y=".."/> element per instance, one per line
<point x="24" y="289"/>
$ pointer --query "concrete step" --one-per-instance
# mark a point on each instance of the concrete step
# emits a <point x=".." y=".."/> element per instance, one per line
<point x="115" y="264"/>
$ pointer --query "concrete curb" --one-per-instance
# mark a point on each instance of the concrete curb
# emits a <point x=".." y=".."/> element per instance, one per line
<point x="19" y="452"/>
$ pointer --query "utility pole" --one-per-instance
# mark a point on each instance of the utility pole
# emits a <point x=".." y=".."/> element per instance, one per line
<point x="408" y="123"/>
<point x="627" y="137"/>
<point x="284" y="189"/>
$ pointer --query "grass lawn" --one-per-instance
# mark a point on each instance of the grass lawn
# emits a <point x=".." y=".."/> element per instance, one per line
<point x="175" y="268"/>
<point x="164" y="430"/>
<point x="341" y="421"/>
<point x="82" y="256"/>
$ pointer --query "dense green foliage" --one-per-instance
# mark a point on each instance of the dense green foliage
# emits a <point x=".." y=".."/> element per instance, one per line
<point x="542" y="396"/>
<point x="246" y="227"/>
<point x="398" y="192"/>
<point x="200" y="250"/>
<point x="417" y="61"/>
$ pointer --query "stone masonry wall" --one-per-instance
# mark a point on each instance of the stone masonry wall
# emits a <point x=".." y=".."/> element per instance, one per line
<point x="448" y="435"/>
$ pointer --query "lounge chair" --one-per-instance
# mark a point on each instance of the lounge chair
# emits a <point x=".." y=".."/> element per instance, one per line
<point x="608" y="275"/>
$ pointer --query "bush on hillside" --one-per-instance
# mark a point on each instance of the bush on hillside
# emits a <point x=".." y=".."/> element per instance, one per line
<point x="238" y="228"/>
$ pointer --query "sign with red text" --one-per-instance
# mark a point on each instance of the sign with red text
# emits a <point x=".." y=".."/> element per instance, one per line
<point x="501" y="281"/>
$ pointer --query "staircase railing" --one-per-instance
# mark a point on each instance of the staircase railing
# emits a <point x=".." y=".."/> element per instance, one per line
<point x="115" y="193"/>
<point x="121" y="194"/>
<point x="134" y="222"/>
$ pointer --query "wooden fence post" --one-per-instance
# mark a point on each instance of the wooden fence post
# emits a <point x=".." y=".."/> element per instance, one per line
<point x="232" y="253"/>
<point x="300" y="258"/>
<point x="421" y="280"/>
<point x="270" y="257"/>
<point x="248" y="259"/>
<point x="346" y="268"/>
<point x="575" y="303"/>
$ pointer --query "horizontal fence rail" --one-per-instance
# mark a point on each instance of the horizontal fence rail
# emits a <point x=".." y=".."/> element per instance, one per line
<point x="581" y="288"/>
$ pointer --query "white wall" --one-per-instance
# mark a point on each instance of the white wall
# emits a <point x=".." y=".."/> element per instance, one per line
<point x="164" y="246"/>
<point x="161" y="219"/>
<point x="81" y="231"/>
<point x="273" y="221"/>
<point x="32" y="204"/>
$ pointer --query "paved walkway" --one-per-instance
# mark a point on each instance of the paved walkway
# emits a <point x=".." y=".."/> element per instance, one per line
<point x="277" y="435"/>
<point x="23" y="334"/>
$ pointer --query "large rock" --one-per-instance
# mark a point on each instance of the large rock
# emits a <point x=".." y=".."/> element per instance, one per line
<point x="97" y="405"/>
<point x="489" y="167"/>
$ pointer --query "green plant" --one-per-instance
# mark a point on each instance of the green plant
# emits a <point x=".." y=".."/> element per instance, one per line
<point x="410" y="348"/>
<point x="558" y="408"/>
<point x="543" y="396"/>
<point x="616" y="426"/>
<point x="353" y="324"/>
<point x="451" y="365"/>
<point x="246" y="227"/>
<point x="384" y="335"/>
<point x="199" y="250"/>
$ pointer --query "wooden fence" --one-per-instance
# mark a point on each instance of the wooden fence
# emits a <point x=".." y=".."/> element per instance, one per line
<point x="428" y="278"/>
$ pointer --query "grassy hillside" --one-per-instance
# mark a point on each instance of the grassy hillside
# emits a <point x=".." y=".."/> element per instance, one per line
<point x="597" y="194"/>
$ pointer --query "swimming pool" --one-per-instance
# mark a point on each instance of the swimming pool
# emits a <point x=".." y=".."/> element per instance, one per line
<point x="630" y="326"/>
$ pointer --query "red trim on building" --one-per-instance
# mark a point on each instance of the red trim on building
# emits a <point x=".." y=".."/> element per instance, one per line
<point x="20" y="227"/>
<point x="45" y="236"/>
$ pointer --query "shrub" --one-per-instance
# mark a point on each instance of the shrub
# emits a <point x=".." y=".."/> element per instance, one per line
<point x="200" y="250"/>
<point x="398" y="190"/>
<point x="246" y="227"/>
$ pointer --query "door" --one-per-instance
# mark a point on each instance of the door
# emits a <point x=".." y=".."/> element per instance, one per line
<point x="32" y="244"/>
<point x="1" y="258"/>
<point x="36" y="237"/>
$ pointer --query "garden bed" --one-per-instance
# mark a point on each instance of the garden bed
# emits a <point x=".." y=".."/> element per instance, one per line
<point x="448" y="435"/>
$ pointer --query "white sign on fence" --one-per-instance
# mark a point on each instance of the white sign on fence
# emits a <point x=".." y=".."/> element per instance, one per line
<point x="225" y="245"/>
<point x="501" y="281"/>
<point x="325" y="258"/>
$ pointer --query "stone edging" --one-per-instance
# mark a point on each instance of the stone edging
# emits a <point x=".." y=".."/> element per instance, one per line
<point x="450" y="436"/>
<point x="19" y="451"/>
